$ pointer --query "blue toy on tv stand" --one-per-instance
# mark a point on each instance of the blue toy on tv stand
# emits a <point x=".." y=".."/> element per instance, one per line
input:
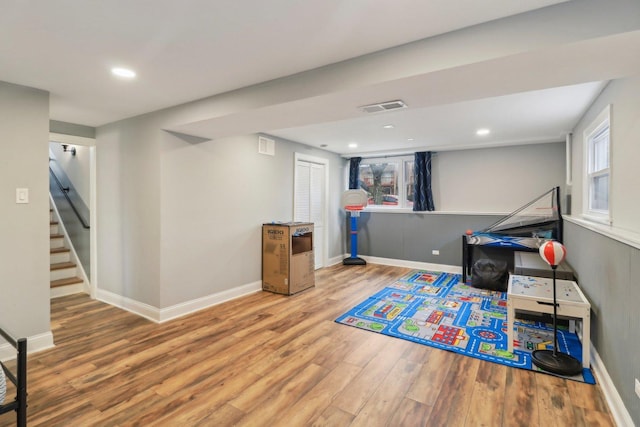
<point x="353" y="202"/>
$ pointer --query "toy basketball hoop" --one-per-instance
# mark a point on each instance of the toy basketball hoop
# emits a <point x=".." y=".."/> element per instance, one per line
<point x="353" y="201"/>
<point x="354" y="210"/>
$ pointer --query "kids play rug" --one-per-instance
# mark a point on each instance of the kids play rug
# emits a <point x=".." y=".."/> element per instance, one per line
<point x="435" y="309"/>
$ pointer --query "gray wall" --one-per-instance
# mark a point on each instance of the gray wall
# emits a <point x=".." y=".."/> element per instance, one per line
<point x="179" y="217"/>
<point x="607" y="269"/>
<point x="72" y="129"/>
<point x="215" y="195"/>
<point x="412" y="236"/>
<point x="128" y="209"/>
<point x="607" y="272"/>
<point x="496" y="179"/>
<point x="472" y="190"/>
<point x="24" y="253"/>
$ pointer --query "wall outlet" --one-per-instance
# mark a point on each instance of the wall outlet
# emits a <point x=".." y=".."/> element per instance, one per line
<point x="435" y="252"/>
<point x="638" y="387"/>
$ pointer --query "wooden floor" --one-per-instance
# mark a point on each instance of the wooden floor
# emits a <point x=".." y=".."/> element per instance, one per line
<point x="272" y="360"/>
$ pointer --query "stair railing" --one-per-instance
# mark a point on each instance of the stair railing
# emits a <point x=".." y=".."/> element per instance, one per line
<point x="65" y="192"/>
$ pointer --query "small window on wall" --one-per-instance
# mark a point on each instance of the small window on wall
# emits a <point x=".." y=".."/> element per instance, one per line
<point x="388" y="181"/>
<point x="598" y="169"/>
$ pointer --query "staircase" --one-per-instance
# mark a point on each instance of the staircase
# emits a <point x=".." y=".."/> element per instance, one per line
<point x="64" y="274"/>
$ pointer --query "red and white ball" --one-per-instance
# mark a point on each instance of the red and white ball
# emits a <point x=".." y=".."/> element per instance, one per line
<point x="553" y="252"/>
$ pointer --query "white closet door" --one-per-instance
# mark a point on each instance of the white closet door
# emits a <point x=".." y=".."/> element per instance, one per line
<point x="302" y="208"/>
<point x="309" y="203"/>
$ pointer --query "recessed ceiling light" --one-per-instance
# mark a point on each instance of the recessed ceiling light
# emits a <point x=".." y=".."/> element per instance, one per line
<point x="388" y="126"/>
<point x="353" y="145"/>
<point x="409" y="139"/>
<point x="123" y="72"/>
<point x="483" y="132"/>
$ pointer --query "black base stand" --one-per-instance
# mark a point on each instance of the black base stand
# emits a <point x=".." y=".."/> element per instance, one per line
<point x="558" y="363"/>
<point x="354" y="261"/>
<point x="553" y="360"/>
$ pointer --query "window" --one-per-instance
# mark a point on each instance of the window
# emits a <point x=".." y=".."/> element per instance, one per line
<point x="388" y="181"/>
<point x="597" y="168"/>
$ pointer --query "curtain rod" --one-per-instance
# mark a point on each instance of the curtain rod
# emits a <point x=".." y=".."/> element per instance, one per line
<point x="384" y="156"/>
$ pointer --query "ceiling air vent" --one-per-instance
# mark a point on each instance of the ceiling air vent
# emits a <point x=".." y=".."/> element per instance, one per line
<point x="383" y="106"/>
<point x="266" y="146"/>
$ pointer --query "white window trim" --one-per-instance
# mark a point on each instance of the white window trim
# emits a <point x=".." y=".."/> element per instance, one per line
<point x="599" y="216"/>
<point x="399" y="161"/>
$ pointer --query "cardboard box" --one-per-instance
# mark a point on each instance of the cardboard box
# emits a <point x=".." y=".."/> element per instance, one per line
<point x="287" y="257"/>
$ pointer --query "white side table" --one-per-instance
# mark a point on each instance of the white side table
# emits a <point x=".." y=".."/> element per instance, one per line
<point x="536" y="294"/>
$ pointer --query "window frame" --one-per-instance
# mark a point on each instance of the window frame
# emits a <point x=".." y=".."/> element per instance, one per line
<point x="591" y="134"/>
<point x="400" y="162"/>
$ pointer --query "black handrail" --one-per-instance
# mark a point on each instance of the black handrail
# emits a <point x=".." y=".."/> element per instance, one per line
<point x="65" y="191"/>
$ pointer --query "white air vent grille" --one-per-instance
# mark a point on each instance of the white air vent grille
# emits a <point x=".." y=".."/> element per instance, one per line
<point x="266" y="146"/>
<point x="383" y="106"/>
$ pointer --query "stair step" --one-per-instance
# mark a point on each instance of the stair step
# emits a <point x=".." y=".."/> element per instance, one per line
<point x="53" y="222"/>
<point x="56" y="236"/>
<point x="65" y="282"/>
<point x="62" y="265"/>
<point x="59" y="250"/>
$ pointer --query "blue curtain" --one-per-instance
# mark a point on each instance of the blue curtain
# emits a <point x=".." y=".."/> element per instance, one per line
<point x="354" y="172"/>
<point x="422" y="195"/>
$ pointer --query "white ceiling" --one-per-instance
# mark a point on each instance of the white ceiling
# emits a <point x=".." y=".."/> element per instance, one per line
<point x="192" y="49"/>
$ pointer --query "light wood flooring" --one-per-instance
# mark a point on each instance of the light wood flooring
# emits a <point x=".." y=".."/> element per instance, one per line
<point x="273" y="360"/>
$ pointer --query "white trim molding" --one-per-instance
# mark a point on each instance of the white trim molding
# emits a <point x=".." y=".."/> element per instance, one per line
<point x="161" y="315"/>
<point x="35" y="343"/>
<point x="627" y="237"/>
<point x="616" y="405"/>
<point x="597" y="126"/>
<point x="72" y="139"/>
<point x="412" y="264"/>
<point x="141" y="309"/>
<point x="188" y="307"/>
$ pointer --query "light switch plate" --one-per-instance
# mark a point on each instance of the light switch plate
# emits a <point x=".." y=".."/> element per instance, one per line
<point x="22" y="195"/>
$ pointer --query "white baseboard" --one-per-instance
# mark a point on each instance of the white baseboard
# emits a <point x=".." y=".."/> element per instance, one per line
<point x="192" y="306"/>
<point x="616" y="405"/>
<point x="413" y="264"/>
<point x="160" y="315"/>
<point x="35" y="343"/>
<point x="335" y="260"/>
<point x="141" y="309"/>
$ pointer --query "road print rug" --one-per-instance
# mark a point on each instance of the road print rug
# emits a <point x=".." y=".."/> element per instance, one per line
<point x="435" y="309"/>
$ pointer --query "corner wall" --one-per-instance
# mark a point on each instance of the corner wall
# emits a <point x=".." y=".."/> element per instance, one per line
<point x="128" y="209"/>
<point x="179" y="217"/>
<point x="24" y="253"/>
<point x="215" y="197"/>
